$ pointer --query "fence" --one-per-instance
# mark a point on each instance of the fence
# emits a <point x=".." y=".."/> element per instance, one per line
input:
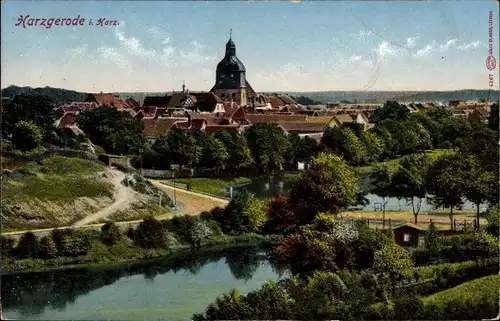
<point x="178" y="173"/>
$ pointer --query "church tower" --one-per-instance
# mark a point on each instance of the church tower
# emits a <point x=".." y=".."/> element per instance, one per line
<point x="230" y="78"/>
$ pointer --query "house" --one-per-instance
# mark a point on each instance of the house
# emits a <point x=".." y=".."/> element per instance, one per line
<point x="360" y="118"/>
<point x="480" y="113"/>
<point x="344" y="118"/>
<point x="108" y="99"/>
<point x="409" y="234"/>
<point x="274" y="118"/>
<point x="157" y="127"/>
<point x="303" y="128"/>
<point x="211" y="101"/>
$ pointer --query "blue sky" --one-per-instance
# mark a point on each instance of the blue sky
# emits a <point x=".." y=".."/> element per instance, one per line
<point x="306" y="46"/>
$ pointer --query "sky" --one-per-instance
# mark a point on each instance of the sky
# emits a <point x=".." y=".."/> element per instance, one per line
<point x="285" y="46"/>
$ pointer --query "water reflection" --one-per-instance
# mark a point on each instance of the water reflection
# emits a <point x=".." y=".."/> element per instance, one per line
<point x="30" y="294"/>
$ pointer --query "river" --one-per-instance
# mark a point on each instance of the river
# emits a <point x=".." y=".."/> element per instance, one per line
<point x="267" y="188"/>
<point x="167" y="289"/>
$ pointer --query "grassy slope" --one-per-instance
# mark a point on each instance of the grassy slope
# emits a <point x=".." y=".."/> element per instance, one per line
<point x="393" y="163"/>
<point x="41" y="191"/>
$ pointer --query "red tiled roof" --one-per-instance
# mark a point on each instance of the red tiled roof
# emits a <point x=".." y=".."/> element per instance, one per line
<point x="159" y="101"/>
<point x="239" y="116"/>
<point x="210" y="119"/>
<point x="287" y="100"/>
<point x="211" y="129"/>
<point x="274" y="118"/>
<point x="68" y="119"/>
<point x="155" y="127"/>
<point x="303" y="128"/>
<point x="198" y="123"/>
<point x="105" y="99"/>
<point x="180" y="124"/>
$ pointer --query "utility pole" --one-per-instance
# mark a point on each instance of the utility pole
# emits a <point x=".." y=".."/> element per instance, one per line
<point x="175" y="194"/>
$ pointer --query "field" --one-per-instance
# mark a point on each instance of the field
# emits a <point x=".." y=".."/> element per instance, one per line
<point x="393" y="163"/>
<point x="213" y="186"/>
<point x="58" y="191"/>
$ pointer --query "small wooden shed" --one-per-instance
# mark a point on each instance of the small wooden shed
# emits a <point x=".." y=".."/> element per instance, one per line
<point x="409" y="234"/>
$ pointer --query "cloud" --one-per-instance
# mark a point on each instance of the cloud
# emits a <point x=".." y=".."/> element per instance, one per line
<point x="424" y="52"/>
<point x="355" y="58"/>
<point x="471" y="45"/>
<point x="454" y="43"/>
<point x="363" y="34"/>
<point x="114" y="55"/>
<point x="386" y="49"/>
<point x="444" y="47"/>
<point x="195" y="55"/>
<point x="410" y="42"/>
<point x="77" y="52"/>
<point x="155" y="32"/>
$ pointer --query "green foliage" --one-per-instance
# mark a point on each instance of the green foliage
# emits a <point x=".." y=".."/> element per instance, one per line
<point x="239" y="154"/>
<point x="26" y="136"/>
<point x="7" y="245"/>
<point x="68" y="166"/>
<point x="244" y="213"/>
<point x="110" y="233"/>
<point x="445" y="182"/>
<point x="390" y="110"/>
<point x="117" y="132"/>
<point x="28" y="246"/>
<point x="493" y="217"/>
<point x="179" y="147"/>
<point x="150" y="233"/>
<point x="214" y="153"/>
<point x="409" y="180"/>
<point x="71" y="243"/>
<point x="48" y="249"/>
<point x="381" y="178"/>
<point x="476" y="299"/>
<point x="268" y="144"/>
<point x="392" y="259"/>
<point x="352" y="149"/>
<point x="373" y="145"/>
<point x="431" y="239"/>
<point x="328" y="185"/>
<point x="38" y="109"/>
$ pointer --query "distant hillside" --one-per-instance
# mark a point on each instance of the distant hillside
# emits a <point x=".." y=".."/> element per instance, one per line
<point x="382" y="96"/>
<point x="468" y="94"/>
<point x="60" y="95"/>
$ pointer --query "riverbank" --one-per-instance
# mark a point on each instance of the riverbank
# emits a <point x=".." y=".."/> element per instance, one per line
<point x="125" y="252"/>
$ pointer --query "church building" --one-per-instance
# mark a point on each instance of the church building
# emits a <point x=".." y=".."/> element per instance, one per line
<point x="231" y="83"/>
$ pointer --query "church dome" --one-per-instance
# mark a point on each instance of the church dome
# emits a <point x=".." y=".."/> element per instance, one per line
<point x="231" y="63"/>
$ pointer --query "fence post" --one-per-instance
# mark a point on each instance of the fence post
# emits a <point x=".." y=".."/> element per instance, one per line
<point x="465" y="225"/>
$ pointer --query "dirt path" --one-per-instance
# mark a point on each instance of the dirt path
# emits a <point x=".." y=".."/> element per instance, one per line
<point x="124" y="196"/>
<point x="193" y="203"/>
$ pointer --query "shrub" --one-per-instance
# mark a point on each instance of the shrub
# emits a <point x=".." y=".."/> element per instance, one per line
<point x="71" y="243"/>
<point x="130" y="233"/>
<point x="110" y="233"/>
<point x="198" y="232"/>
<point x="26" y="136"/>
<point x="150" y="233"/>
<point x="28" y="246"/>
<point x="48" y="249"/>
<point x="7" y="245"/>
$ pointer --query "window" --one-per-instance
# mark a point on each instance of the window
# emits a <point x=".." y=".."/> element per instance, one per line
<point x="406" y="237"/>
<point x="232" y="76"/>
<point x="234" y="96"/>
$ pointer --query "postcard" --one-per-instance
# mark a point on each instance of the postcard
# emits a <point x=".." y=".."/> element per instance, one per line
<point x="264" y="160"/>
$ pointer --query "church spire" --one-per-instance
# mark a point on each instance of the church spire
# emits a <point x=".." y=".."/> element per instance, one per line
<point x="230" y="32"/>
<point x="183" y="86"/>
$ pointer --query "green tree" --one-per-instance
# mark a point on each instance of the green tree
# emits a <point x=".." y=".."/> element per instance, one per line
<point x="239" y="154"/>
<point x="150" y="233"/>
<point x="26" y="136"/>
<point x="381" y="182"/>
<point x="445" y="182"/>
<point x="392" y="260"/>
<point x="493" y="118"/>
<point x="7" y="245"/>
<point x="328" y="185"/>
<point x="198" y="232"/>
<point x="373" y="145"/>
<point x="478" y="185"/>
<point x="38" y="109"/>
<point x="410" y="180"/>
<point x="116" y="131"/>
<point x="48" y="248"/>
<point x="28" y="246"/>
<point x="269" y="144"/>
<point x="390" y="110"/>
<point x="352" y="148"/>
<point x="244" y="213"/>
<point x="110" y="233"/>
<point x="296" y="152"/>
<point x="431" y="239"/>
<point x="493" y="217"/>
<point x="214" y="153"/>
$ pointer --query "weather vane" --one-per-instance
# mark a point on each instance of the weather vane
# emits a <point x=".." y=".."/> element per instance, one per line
<point x="230" y="33"/>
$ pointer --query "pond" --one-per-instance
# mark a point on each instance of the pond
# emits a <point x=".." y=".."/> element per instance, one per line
<point x="267" y="188"/>
<point x="168" y="289"/>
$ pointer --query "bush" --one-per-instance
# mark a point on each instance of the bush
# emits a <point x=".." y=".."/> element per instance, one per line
<point x="26" y="136"/>
<point x="110" y="233"/>
<point x="48" y="249"/>
<point x="7" y="245"/>
<point x="130" y="233"/>
<point x="150" y="233"/>
<point x="71" y="243"/>
<point x="28" y="246"/>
